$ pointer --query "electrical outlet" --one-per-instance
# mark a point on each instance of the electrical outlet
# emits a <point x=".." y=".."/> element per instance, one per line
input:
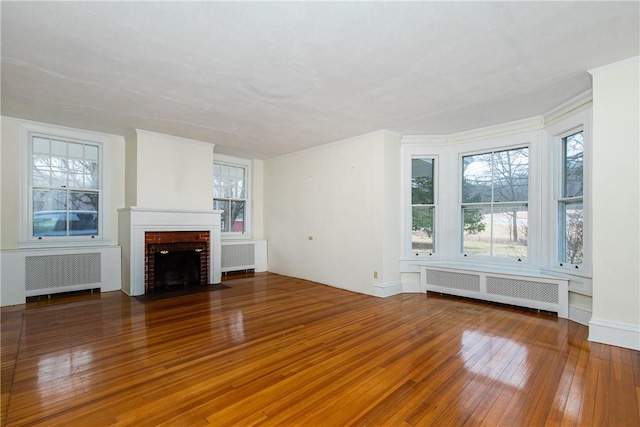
<point x="375" y="274"/>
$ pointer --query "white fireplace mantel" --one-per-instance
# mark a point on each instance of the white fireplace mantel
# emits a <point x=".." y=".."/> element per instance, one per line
<point x="135" y="221"/>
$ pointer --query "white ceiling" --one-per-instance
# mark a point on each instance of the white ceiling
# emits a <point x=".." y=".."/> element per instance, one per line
<point x="261" y="79"/>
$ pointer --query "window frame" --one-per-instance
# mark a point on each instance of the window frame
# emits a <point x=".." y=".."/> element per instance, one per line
<point x="555" y="132"/>
<point x="27" y="131"/>
<point x="562" y="200"/>
<point x="434" y="205"/>
<point x="246" y="165"/>
<point x="491" y="149"/>
<point x="408" y="153"/>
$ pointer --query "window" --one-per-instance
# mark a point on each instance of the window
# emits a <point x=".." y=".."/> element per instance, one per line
<point x="423" y="205"/>
<point x="495" y="193"/>
<point x="570" y="202"/>
<point x="230" y="196"/>
<point x="65" y="187"/>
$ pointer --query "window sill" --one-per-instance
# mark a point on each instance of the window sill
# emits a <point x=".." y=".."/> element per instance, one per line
<point x="519" y="270"/>
<point x="63" y="243"/>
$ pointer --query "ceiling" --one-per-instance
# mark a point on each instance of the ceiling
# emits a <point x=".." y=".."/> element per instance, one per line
<point x="262" y="79"/>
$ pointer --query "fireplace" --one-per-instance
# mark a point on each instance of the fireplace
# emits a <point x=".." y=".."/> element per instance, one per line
<point x="145" y="232"/>
<point x="176" y="259"/>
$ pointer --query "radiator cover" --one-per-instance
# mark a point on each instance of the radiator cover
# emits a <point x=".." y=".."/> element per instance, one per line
<point x="46" y="272"/>
<point x="526" y="290"/>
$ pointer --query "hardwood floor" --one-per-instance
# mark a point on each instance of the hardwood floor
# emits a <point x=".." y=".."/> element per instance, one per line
<point x="273" y="350"/>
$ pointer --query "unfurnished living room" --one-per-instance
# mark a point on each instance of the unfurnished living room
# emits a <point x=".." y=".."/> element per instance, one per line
<point x="320" y="213"/>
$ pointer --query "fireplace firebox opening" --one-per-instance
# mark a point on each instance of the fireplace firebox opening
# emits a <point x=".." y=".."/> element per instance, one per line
<point x="176" y="258"/>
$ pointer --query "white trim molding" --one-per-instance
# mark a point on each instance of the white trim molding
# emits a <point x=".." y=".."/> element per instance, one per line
<point x="384" y="290"/>
<point x="613" y="333"/>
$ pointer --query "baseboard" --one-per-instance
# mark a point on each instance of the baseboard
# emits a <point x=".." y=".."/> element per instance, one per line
<point x="580" y="314"/>
<point x="612" y="333"/>
<point x="384" y="290"/>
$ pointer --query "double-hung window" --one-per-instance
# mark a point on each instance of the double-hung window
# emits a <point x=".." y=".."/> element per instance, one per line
<point x="570" y="202"/>
<point x="423" y="205"/>
<point x="65" y="187"/>
<point x="494" y="208"/>
<point x="230" y="196"/>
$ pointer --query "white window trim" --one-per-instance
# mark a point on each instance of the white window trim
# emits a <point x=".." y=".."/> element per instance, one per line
<point x="436" y="168"/>
<point x="246" y="164"/>
<point x="555" y="134"/>
<point x="26" y="240"/>
<point x="410" y="152"/>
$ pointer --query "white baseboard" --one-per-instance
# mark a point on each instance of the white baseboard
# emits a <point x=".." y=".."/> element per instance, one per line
<point x="580" y="314"/>
<point x="384" y="290"/>
<point x="612" y="333"/>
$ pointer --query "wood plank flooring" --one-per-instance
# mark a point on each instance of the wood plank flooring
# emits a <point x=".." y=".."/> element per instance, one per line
<point x="276" y="351"/>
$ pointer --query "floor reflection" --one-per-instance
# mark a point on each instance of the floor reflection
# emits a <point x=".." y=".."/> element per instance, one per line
<point x="501" y="352"/>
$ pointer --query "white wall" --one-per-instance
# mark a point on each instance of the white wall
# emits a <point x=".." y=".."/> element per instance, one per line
<point x="616" y="205"/>
<point x="9" y="184"/>
<point x="345" y="197"/>
<point x="170" y="172"/>
<point x="257" y="199"/>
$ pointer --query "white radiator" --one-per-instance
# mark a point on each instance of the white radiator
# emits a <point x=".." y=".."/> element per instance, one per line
<point x="61" y="273"/>
<point x="526" y="290"/>
<point x="243" y="255"/>
<point x="36" y="272"/>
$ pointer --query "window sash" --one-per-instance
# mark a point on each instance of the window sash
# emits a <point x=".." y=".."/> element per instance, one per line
<point x="571" y="227"/>
<point x="423" y="200"/>
<point x="495" y="229"/>
<point x="231" y="196"/>
<point x="494" y="203"/>
<point x="65" y="188"/>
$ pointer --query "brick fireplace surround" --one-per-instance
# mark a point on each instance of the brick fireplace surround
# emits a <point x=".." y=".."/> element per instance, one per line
<point x="159" y="241"/>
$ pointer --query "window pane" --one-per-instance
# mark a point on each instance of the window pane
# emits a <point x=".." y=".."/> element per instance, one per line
<point x="84" y="222"/>
<point x="59" y="148"/>
<point x="571" y="229"/>
<point x="501" y="231"/>
<point x="40" y="145"/>
<point x="49" y="213"/>
<point x="83" y="213"/>
<point x="75" y="150"/>
<point x="224" y="206"/>
<point x="422" y="181"/>
<point x="50" y="223"/>
<point x="476" y="178"/>
<point x="41" y="174"/>
<point x="58" y="179"/>
<point x="511" y="175"/>
<point x="477" y="230"/>
<point x="83" y="201"/>
<point x="91" y="152"/>
<point x="58" y="164"/>
<point x="510" y="231"/>
<point x="573" y="146"/>
<point x="237" y="213"/>
<point x="422" y="231"/>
